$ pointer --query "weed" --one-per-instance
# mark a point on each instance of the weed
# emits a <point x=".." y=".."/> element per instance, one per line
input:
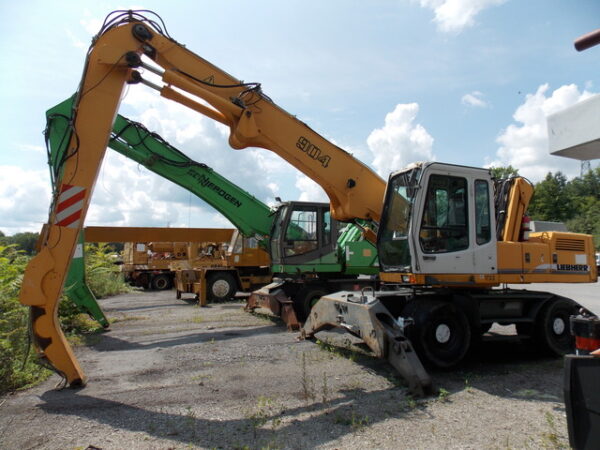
<point x="197" y="319"/>
<point x="201" y="377"/>
<point x="308" y="390"/>
<point x="190" y="420"/>
<point x="443" y="395"/>
<point x="395" y="380"/>
<point x="325" y="389"/>
<point x="127" y="318"/>
<point x="468" y="386"/>
<point x="411" y="403"/>
<point x="342" y="352"/>
<point x="262" y="414"/>
<point x="551" y="438"/>
<point x="353" y="420"/>
<point x="353" y="385"/>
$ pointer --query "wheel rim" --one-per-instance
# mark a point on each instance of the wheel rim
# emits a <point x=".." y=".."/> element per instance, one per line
<point x="160" y="283"/>
<point x="442" y="333"/>
<point x="445" y="337"/>
<point x="558" y="326"/>
<point x="220" y="288"/>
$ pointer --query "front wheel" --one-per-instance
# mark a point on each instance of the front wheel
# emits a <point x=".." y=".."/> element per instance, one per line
<point x="441" y="332"/>
<point x="221" y="287"/>
<point x="552" y="330"/>
<point x="308" y="297"/>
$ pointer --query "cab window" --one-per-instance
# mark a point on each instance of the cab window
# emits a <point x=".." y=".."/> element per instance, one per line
<point x="483" y="232"/>
<point x="444" y="225"/>
<point x="301" y="236"/>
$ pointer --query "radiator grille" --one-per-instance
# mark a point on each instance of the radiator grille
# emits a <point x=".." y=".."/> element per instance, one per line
<point x="571" y="245"/>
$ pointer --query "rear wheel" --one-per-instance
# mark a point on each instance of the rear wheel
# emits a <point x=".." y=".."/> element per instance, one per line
<point x="161" y="282"/>
<point x="441" y="332"/>
<point x="485" y="327"/>
<point x="307" y="298"/>
<point x="552" y="330"/>
<point x="221" y="287"/>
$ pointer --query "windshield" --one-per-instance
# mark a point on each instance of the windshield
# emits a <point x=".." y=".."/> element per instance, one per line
<point x="276" y="233"/>
<point x="392" y="242"/>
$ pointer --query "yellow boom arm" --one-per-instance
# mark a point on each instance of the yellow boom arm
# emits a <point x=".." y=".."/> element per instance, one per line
<point x="355" y="191"/>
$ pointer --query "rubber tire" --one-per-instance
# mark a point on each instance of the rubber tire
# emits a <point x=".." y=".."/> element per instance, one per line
<point x="161" y="282"/>
<point x="524" y="329"/>
<point x="428" y="316"/>
<point x="221" y="287"/>
<point x="558" y="309"/>
<point x="485" y="327"/>
<point x="307" y="298"/>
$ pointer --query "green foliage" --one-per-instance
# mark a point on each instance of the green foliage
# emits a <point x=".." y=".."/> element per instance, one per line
<point x="15" y="347"/>
<point x="504" y="172"/>
<point x="22" y="241"/>
<point x="575" y="202"/>
<point x="102" y="274"/>
<point x="551" y="199"/>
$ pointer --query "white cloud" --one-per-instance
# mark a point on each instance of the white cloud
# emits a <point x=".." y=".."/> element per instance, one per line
<point x="76" y="41"/>
<point x="400" y="141"/>
<point x="452" y="16"/>
<point x="309" y="190"/>
<point x="474" y="99"/>
<point x="24" y="199"/>
<point x="524" y="145"/>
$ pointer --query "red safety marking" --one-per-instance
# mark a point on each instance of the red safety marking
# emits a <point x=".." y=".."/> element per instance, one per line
<point x="69" y="206"/>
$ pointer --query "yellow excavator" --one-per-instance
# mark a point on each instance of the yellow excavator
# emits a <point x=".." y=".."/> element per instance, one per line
<point x="448" y="236"/>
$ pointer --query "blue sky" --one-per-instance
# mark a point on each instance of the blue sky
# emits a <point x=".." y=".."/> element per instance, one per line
<point x="460" y="81"/>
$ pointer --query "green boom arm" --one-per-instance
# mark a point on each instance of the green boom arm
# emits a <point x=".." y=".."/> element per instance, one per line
<point x="251" y="216"/>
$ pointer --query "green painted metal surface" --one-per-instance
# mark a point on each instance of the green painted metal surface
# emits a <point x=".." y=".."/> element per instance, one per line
<point x="77" y="289"/>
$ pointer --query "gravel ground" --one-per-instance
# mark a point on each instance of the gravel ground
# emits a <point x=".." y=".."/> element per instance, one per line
<point x="171" y="375"/>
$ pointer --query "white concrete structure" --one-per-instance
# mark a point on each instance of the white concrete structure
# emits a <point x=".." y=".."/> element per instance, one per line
<point x="575" y="131"/>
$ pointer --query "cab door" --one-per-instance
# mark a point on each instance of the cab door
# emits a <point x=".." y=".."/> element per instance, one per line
<point x="455" y="232"/>
<point x="309" y="236"/>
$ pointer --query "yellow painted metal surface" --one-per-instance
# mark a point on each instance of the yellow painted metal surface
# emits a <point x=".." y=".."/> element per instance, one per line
<point x="151" y="234"/>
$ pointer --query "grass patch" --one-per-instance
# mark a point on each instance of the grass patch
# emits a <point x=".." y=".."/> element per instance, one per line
<point x="356" y="421"/>
<point x="343" y="352"/>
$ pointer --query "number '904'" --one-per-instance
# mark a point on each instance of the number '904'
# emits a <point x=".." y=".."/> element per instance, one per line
<point x="313" y="151"/>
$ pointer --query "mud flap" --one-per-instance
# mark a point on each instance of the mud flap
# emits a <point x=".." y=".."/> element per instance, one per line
<point x="367" y="318"/>
<point x="272" y="297"/>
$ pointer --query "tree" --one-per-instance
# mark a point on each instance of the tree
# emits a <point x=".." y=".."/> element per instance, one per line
<point x="551" y="200"/>
<point x="24" y="241"/>
<point x="504" y="172"/>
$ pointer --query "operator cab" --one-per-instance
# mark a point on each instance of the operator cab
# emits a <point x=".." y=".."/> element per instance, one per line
<point x="438" y="219"/>
<point x="304" y="235"/>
